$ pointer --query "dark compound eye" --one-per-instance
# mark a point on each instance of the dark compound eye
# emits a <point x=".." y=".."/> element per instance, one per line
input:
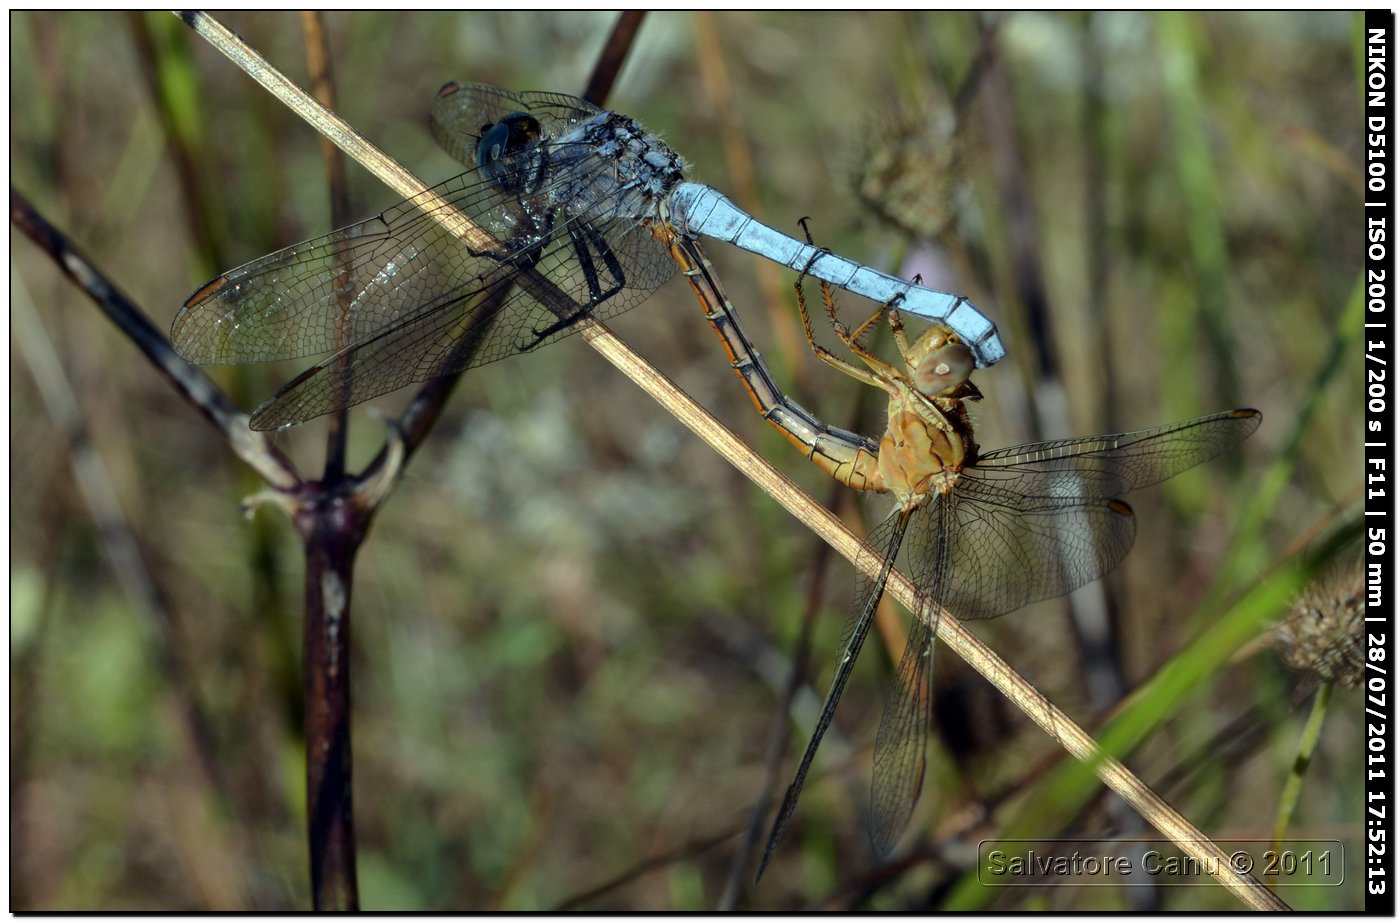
<point x="509" y="154"/>
<point x="511" y="135"/>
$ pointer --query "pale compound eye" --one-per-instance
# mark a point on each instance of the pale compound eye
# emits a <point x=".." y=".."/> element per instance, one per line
<point x="944" y="369"/>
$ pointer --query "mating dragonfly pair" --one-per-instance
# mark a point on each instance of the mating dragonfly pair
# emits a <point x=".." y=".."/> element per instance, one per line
<point x="569" y="213"/>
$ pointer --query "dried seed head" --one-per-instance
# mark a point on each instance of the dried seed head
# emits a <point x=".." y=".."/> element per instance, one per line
<point x="911" y="168"/>
<point x="1322" y="637"/>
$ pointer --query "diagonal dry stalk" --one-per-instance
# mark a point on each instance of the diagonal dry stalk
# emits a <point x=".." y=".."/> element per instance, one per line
<point x="1074" y="739"/>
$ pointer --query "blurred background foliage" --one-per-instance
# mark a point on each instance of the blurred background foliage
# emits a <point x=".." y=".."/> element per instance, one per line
<point x="572" y="621"/>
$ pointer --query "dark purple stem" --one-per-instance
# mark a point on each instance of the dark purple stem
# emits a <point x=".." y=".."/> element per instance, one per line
<point x="331" y="528"/>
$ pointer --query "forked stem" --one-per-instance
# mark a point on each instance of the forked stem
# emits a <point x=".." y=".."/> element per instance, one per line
<point x="1068" y="734"/>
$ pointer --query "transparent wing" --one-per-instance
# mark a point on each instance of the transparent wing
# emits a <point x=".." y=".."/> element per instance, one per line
<point x="967" y="556"/>
<point x="289" y="304"/>
<point x="349" y="284"/>
<point x="399" y="298"/>
<point x="887" y="538"/>
<point x="1023" y="524"/>
<point x="902" y="740"/>
<point x="1010" y="549"/>
<point x="1107" y="466"/>
<point x="502" y="313"/>
<point x="1037" y="521"/>
<point x="462" y="110"/>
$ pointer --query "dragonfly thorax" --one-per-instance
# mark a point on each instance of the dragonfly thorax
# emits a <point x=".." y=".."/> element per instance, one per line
<point x="928" y="440"/>
<point x="922" y="453"/>
<point x="643" y="170"/>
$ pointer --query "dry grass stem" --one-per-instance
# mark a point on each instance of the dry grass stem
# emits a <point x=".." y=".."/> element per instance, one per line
<point x="1069" y="735"/>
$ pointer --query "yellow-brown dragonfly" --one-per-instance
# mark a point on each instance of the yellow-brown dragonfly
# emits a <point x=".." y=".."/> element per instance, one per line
<point x="983" y="533"/>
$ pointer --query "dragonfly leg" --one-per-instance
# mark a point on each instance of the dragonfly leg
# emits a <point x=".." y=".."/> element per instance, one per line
<point x="581" y="237"/>
<point x="828" y="294"/>
<point x="884" y="372"/>
<point x="901" y="339"/>
<point x="852" y="339"/>
<point x="821" y="352"/>
<point x="591" y="235"/>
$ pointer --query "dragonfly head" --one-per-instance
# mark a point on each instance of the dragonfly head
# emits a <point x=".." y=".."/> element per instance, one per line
<point x="498" y="152"/>
<point x="939" y="362"/>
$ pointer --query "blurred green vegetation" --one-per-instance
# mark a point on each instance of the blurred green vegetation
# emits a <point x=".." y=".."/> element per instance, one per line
<point x="572" y="622"/>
